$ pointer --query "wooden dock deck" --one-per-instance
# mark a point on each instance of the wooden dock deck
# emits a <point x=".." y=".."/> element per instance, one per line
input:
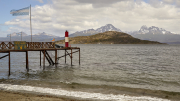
<point x="42" y="47"/>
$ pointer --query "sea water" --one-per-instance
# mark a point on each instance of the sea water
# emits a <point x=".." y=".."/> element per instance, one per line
<point x="107" y="72"/>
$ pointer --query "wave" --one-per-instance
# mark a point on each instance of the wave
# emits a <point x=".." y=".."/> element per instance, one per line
<point x="77" y="94"/>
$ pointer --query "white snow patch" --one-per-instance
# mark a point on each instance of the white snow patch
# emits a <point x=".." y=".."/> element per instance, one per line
<point x="163" y="32"/>
<point x="154" y="29"/>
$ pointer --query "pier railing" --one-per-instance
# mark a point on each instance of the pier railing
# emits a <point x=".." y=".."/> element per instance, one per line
<point x="6" y="45"/>
<point x="28" y="45"/>
<point x="40" y="45"/>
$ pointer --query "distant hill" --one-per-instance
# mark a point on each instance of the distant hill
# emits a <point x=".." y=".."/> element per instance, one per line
<point x="109" y="37"/>
<point x="39" y="37"/>
<point x="107" y="27"/>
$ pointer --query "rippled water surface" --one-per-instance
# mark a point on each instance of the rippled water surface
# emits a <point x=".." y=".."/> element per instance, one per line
<point x="154" y="67"/>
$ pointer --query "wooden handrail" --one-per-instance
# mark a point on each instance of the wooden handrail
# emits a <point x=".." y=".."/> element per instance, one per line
<point x="29" y="45"/>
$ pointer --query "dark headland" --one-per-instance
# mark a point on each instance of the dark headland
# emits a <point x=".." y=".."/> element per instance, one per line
<point x="109" y="37"/>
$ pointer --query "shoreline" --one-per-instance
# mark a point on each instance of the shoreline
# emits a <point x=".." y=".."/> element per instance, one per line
<point x="18" y="92"/>
<point x="20" y="96"/>
<point x="80" y="92"/>
<point x="103" y="89"/>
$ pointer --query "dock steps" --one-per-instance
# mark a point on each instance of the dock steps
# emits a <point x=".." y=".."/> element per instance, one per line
<point x="49" y="59"/>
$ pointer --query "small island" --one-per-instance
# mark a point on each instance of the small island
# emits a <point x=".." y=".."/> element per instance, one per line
<point x="109" y="37"/>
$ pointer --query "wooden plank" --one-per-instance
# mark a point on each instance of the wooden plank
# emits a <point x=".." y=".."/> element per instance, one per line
<point x="49" y="58"/>
<point x="4" y="56"/>
<point x="40" y="49"/>
<point x="10" y="45"/>
<point x="3" y="46"/>
<point x="67" y="54"/>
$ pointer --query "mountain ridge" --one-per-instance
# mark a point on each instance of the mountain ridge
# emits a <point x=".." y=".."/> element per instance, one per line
<point x="151" y="30"/>
<point x="152" y="33"/>
<point x="108" y="37"/>
<point x="39" y="37"/>
<point x="107" y="27"/>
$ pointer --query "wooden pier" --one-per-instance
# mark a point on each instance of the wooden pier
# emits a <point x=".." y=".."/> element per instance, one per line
<point x="42" y="47"/>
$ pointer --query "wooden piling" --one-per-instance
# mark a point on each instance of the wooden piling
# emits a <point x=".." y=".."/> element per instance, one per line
<point x="9" y="63"/>
<point x="79" y="56"/>
<point x="71" y="57"/>
<point x="27" y="62"/>
<point x="55" y="56"/>
<point x="44" y="60"/>
<point x="65" y="56"/>
<point x="40" y="58"/>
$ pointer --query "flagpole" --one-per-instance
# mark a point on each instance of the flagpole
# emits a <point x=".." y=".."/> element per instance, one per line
<point x="30" y="23"/>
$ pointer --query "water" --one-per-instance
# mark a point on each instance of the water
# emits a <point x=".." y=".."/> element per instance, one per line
<point x="134" y="70"/>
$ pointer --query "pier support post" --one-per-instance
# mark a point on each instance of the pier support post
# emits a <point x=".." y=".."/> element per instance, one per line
<point x="44" y="60"/>
<point x="55" y="57"/>
<point x="79" y="56"/>
<point x="27" y="63"/>
<point x="40" y="58"/>
<point x="71" y="57"/>
<point x="65" y="56"/>
<point x="9" y="64"/>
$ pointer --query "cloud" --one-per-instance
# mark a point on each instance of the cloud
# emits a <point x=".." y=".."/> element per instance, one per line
<point x="169" y="1"/>
<point x="76" y="15"/>
<point x="178" y="2"/>
<point x="41" y="1"/>
<point x="100" y="3"/>
<point x="174" y="2"/>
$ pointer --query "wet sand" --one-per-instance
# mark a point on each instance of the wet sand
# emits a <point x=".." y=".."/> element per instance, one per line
<point x="16" y="96"/>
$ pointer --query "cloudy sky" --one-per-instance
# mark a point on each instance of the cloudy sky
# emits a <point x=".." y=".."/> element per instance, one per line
<point x="56" y="16"/>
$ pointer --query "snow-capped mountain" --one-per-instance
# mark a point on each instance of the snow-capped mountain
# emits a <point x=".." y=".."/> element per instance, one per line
<point x="44" y="34"/>
<point x="42" y="37"/>
<point x="151" y="30"/>
<point x="108" y="27"/>
<point x="152" y="33"/>
<point x="17" y="34"/>
<point x="155" y="34"/>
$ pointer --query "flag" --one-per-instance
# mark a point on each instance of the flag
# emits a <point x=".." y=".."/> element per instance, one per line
<point x="23" y="11"/>
<point x="53" y="39"/>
